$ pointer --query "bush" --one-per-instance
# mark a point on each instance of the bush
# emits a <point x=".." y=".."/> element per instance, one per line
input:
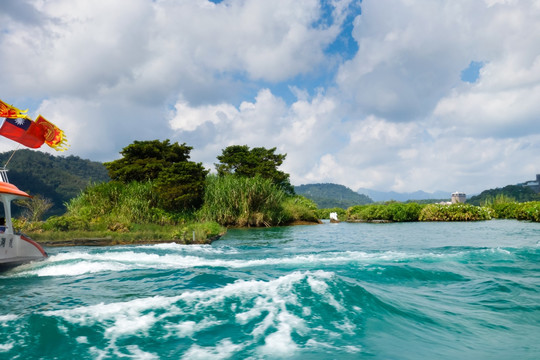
<point x="299" y="208"/>
<point x="65" y="223"/>
<point x="396" y="212"/>
<point x="455" y="212"/>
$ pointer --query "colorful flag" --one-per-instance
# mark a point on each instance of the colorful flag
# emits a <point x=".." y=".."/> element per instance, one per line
<point x="11" y="112"/>
<point x="23" y="131"/>
<point x="54" y="137"/>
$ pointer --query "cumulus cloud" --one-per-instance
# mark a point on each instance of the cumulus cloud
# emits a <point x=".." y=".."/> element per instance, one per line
<point x="394" y="115"/>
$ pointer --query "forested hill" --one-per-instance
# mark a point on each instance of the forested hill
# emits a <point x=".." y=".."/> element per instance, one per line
<point x="517" y="193"/>
<point x="332" y="195"/>
<point x="58" y="178"/>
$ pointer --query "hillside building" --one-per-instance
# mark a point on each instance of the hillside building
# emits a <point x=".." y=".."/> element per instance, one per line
<point x="459" y="197"/>
<point x="534" y="184"/>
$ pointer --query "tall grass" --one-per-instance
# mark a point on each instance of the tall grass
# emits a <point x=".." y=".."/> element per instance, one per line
<point x="114" y="202"/>
<point x="242" y="201"/>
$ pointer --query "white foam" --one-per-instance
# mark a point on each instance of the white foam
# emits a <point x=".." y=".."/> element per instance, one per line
<point x="6" y="347"/>
<point x="223" y="350"/>
<point x="136" y="353"/>
<point x="252" y="299"/>
<point x="78" y="263"/>
<point x="9" y="317"/>
<point x="280" y="343"/>
<point x="82" y="339"/>
<point x="79" y="268"/>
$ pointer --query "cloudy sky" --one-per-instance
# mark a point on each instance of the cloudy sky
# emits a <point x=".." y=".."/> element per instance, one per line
<point x="399" y="95"/>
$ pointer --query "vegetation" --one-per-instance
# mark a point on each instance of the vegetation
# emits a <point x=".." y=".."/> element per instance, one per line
<point x="241" y="161"/>
<point x="514" y="210"/>
<point x="55" y="178"/>
<point x="454" y="212"/>
<point x="394" y="211"/>
<point x="157" y="194"/>
<point x="233" y="200"/>
<point x="332" y="195"/>
<point x="123" y="212"/>
<point x="510" y="192"/>
<point x="178" y="182"/>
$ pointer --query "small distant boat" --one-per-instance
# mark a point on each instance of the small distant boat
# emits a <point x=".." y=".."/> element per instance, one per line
<point x="15" y="248"/>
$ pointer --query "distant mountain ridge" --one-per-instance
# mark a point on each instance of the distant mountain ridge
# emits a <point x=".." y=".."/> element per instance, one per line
<point x="392" y="195"/>
<point x="57" y="178"/>
<point x="332" y="195"/>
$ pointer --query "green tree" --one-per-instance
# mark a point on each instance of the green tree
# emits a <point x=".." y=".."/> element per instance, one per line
<point x="181" y="185"/>
<point x="144" y="160"/>
<point x="178" y="182"/>
<point x="243" y="161"/>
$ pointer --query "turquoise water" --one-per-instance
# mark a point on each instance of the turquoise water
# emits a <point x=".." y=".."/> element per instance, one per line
<point x="332" y="291"/>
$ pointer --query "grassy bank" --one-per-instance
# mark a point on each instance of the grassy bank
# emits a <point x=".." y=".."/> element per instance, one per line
<point x="121" y="213"/>
<point x="252" y="201"/>
<point x="117" y="213"/>
<point x="402" y="212"/>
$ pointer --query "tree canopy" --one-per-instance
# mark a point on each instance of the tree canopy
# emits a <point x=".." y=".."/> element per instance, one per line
<point x="144" y="160"/>
<point x="243" y="161"/>
<point x="178" y="182"/>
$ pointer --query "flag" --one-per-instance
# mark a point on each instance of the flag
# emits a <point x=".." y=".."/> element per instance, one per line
<point x="23" y="131"/>
<point x="11" y="112"/>
<point x="53" y="136"/>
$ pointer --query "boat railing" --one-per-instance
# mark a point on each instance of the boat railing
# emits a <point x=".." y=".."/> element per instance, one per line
<point x="3" y="175"/>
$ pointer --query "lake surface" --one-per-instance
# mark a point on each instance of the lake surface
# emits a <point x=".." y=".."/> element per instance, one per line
<point x="332" y="291"/>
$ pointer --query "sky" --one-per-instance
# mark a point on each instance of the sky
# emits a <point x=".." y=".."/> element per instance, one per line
<point x="398" y="95"/>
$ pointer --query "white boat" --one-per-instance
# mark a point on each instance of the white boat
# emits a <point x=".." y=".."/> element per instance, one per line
<point x="15" y="248"/>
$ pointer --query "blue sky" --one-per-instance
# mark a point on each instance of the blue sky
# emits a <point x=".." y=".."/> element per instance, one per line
<point x="390" y="95"/>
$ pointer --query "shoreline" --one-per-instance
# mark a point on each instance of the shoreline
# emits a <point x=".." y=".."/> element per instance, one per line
<point x="109" y="241"/>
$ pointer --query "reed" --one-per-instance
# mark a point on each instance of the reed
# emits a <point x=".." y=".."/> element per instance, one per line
<point x="135" y="202"/>
<point x="242" y="201"/>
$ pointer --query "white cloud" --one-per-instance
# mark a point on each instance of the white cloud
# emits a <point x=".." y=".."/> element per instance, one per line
<point x="396" y="115"/>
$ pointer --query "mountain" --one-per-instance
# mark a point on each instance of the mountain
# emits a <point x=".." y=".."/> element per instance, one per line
<point x="517" y="193"/>
<point x="332" y="195"/>
<point x="392" y="195"/>
<point x="57" y="178"/>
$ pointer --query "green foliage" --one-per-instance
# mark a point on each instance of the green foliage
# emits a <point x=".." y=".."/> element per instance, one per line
<point x="66" y="223"/>
<point x="200" y="231"/>
<point x="332" y="195"/>
<point x="57" y="178"/>
<point x="116" y="202"/>
<point x="241" y="161"/>
<point x="514" y="210"/>
<point x="144" y="160"/>
<point x="396" y="212"/>
<point x="455" y="212"/>
<point x="511" y="192"/>
<point x="181" y="186"/>
<point x="298" y="208"/>
<point x="179" y="183"/>
<point x="528" y="211"/>
<point x="241" y="201"/>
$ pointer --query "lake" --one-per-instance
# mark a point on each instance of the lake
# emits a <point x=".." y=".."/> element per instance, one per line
<point x="332" y="291"/>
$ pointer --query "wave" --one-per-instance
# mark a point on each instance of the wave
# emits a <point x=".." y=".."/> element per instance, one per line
<point x="279" y="317"/>
<point x="173" y="256"/>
